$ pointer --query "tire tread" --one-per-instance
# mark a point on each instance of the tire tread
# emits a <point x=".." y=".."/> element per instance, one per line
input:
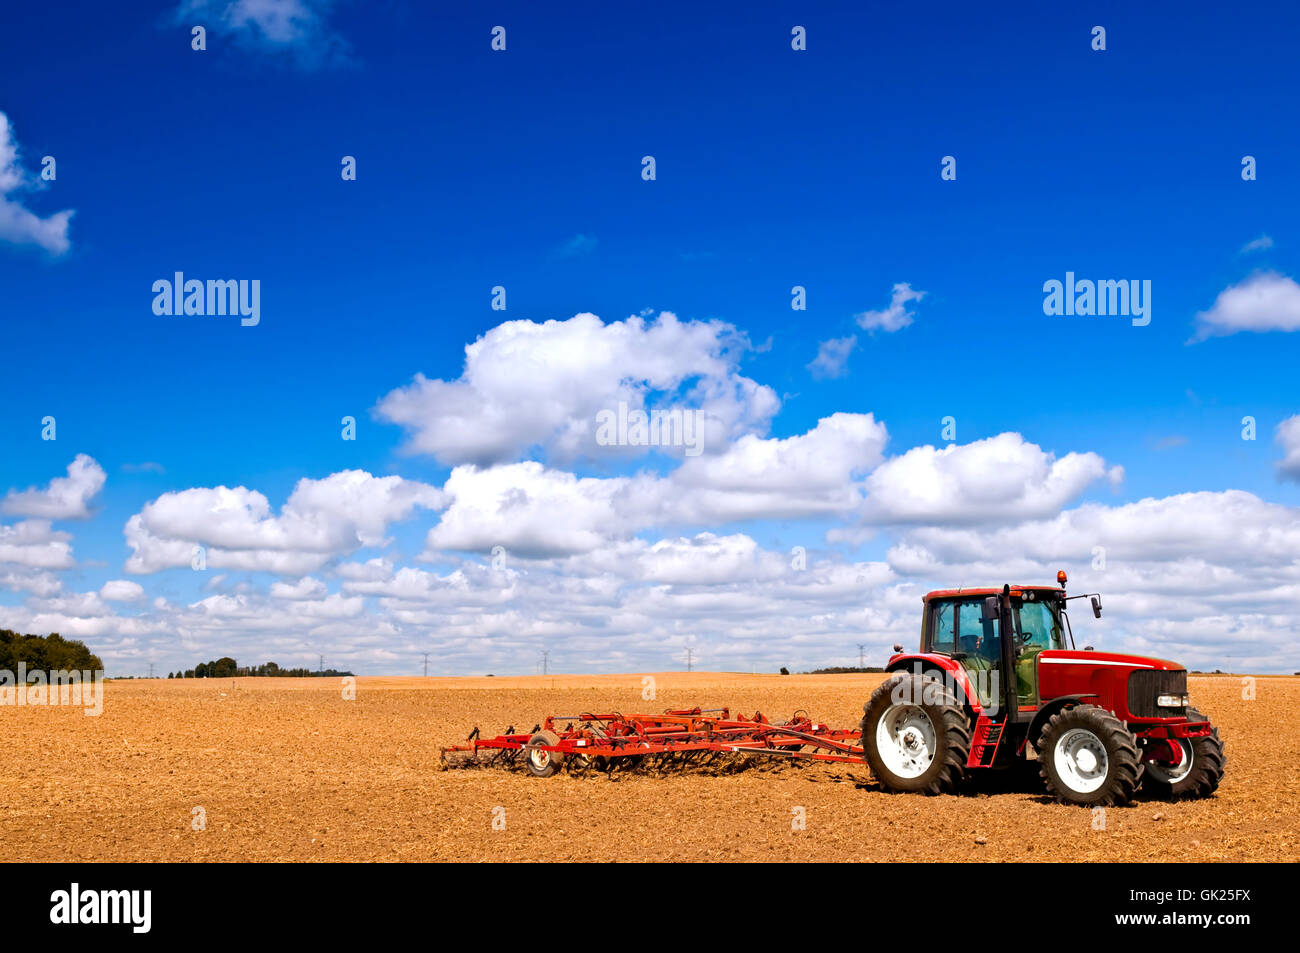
<point x="1121" y="747"/>
<point x="955" y="730"/>
<point x="1208" y="763"/>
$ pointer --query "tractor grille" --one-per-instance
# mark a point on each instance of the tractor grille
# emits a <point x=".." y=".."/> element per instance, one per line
<point x="1145" y="685"/>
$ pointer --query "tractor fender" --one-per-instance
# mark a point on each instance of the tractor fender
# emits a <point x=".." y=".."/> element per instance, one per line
<point x="1049" y="709"/>
<point x="948" y="670"/>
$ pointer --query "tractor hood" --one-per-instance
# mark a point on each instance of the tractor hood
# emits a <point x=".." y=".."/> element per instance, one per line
<point x="1128" y="685"/>
<point x="1104" y="659"/>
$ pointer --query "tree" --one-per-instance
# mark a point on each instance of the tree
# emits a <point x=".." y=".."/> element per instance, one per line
<point x="45" y="653"/>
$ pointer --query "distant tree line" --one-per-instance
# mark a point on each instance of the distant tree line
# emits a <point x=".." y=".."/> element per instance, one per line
<point x="227" y="667"/>
<point x="46" y="653"/>
<point x="845" y="670"/>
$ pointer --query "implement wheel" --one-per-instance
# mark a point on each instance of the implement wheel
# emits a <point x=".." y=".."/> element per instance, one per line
<point x="542" y="764"/>
<point x="915" y="735"/>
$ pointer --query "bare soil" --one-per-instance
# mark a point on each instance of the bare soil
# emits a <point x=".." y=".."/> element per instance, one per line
<point x="288" y="769"/>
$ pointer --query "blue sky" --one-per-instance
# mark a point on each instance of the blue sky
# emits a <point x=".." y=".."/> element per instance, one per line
<point x="522" y="168"/>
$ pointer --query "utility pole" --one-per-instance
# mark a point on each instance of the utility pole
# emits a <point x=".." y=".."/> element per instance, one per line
<point x="690" y="657"/>
<point x="151" y="669"/>
<point x="546" y="662"/>
<point x="322" y="664"/>
<point x="426" y="664"/>
<point x="862" y="659"/>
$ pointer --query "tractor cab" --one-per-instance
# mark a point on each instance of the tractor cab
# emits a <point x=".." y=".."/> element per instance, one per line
<point x="996" y="636"/>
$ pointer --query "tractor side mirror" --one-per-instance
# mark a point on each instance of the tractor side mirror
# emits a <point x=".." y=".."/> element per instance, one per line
<point x="1096" y="605"/>
<point x="992" y="611"/>
<point x="898" y="648"/>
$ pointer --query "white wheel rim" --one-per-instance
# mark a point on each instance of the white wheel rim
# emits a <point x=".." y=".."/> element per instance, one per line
<point x="1173" y="773"/>
<point x="1081" y="760"/>
<point x="540" y="759"/>
<point x="906" y="740"/>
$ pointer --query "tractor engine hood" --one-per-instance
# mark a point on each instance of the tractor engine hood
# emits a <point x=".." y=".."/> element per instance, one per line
<point x="1127" y="685"/>
<point x="1106" y="659"/>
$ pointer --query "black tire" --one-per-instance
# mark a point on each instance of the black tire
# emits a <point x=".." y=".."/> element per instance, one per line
<point x="1112" y="781"/>
<point x="542" y="764"/>
<point x="948" y="721"/>
<point x="1208" y="762"/>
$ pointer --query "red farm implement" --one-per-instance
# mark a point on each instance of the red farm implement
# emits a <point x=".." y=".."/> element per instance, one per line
<point x="679" y="737"/>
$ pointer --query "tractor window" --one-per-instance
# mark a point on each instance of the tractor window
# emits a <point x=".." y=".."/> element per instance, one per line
<point x="941" y="634"/>
<point x="978" y="637"/>
<point x="1039" y="626"/>
<point x="971" y="636"/>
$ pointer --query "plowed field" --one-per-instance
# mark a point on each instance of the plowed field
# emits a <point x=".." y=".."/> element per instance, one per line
<point x="288" y="769"/>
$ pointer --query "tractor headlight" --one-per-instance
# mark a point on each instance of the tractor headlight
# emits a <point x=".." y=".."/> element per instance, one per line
<point x="1172" y="701"/>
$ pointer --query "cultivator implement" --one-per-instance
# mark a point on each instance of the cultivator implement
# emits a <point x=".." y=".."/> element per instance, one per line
<point x="678" y="737"/>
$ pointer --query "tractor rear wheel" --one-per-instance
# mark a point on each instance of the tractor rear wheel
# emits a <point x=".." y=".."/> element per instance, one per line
<point x="1197" y="775"/>
<point x="542" y="764"/>
<point x="915" y="735"/>
<point x="1088" y="756"/>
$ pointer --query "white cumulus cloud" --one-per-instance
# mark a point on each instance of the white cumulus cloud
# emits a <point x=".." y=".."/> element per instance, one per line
<point x="304" y="588"/>
<point x="833" y="357"/>
<point x="529" y="386"/>
<point x="66" y="498"/>
<point x="539" y="511"/>
<point x="993" y="479"/>
<point x="17" y="224"/>
<point x="35" y="545"/>
<point x="820" y="472"/>
<point x="530" y="510"/>
<point x="896" y="316"/>
<point x="121" y="590"/>
<point x="1288" y="436"/>
<point x="37" y="582"/>
<point x="1263" y="302"/>
<point x="321" y="519"/>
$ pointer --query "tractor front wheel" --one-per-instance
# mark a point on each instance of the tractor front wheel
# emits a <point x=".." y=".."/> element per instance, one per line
<point x="1088" y="756"/>
<point x="915" y="735"/>
<point x="1196" y="775"/>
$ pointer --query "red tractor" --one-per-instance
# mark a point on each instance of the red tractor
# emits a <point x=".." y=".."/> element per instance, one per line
<point x="997" y="674"/>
